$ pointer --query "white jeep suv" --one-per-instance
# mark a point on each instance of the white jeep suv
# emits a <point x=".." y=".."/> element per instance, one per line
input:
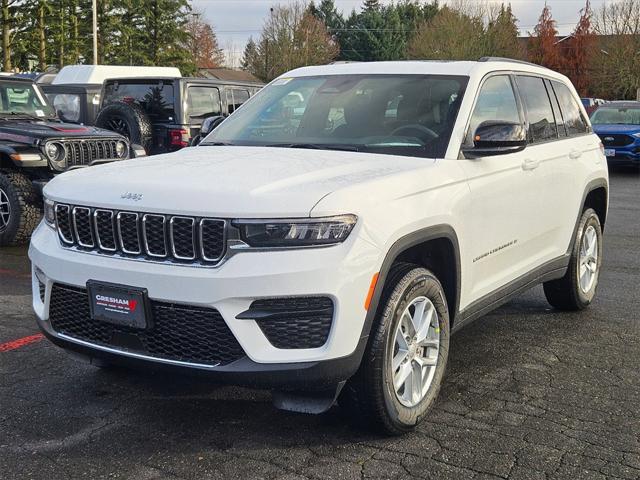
<point x="326" y="239"/>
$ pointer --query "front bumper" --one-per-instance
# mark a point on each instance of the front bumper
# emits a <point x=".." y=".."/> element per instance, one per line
<point x="342" y="273"/>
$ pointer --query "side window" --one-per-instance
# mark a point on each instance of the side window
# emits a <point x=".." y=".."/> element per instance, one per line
<point x="235" y="98"/>
<point x="562" y="132"/>
<point x="573" y="119"/>
<point x="203" y="102"/>
<point x="542" y="124"/>
<point x="496" y="101"/>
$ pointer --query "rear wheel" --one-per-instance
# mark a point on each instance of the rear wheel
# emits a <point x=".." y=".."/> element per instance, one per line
<point x="577" y="289"/>
<point x="20" y="208"/>
<point x="402" y="370"/>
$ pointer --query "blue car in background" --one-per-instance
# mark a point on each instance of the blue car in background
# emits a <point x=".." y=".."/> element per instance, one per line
<point x="618" y="126"/>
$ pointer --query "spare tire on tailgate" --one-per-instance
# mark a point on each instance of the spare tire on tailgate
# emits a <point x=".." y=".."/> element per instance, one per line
<point x="127" y="119"/>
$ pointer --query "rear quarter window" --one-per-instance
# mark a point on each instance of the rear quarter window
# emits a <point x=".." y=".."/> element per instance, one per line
<point x="156" y="99"/>
<point x="574" y="122"/>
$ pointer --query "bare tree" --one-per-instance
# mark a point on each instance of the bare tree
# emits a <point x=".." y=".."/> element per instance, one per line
<point x="617" y="65"/>
<point x="291" y="37"/>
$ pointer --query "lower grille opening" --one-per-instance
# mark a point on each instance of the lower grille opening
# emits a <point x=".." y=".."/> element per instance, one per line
<point x="295" y="322"/>
<point x="180" y="333"/>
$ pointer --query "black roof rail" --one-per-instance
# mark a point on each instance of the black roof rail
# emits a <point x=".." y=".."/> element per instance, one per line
<point x="512" y="60"/>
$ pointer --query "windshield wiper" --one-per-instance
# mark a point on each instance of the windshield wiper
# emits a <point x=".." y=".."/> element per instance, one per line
<point x="218" y="144"/>
<point x="21" y="114"/>
<point x="317" y="146"/>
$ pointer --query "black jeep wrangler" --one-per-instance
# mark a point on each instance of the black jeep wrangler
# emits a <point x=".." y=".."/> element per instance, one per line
<point x="165" y="114"/>
<point x="34" y="146"/>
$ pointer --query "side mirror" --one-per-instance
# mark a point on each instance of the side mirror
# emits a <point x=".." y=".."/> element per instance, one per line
<point x="497" y="138"/>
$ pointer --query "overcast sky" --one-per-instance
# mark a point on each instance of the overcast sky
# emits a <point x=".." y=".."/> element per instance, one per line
<point x="236" y="20"/>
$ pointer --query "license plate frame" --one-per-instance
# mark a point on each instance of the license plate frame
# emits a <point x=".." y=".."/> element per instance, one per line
<point x="120" y="305"/>
<point x="609" y="152"/>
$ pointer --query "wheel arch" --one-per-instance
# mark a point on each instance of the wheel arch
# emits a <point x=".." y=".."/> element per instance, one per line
<point x="435" y="248"/>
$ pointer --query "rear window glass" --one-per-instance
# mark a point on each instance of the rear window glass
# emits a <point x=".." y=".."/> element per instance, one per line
<point x="203" y="102"/>
<point x="235" y="98"/>
<point x="156" y="99"/>
<point x="571" y="113"/>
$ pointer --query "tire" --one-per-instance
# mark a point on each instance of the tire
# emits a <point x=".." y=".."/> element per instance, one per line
<point x="20" y="208"/>
<point x="127" y="119"/>
<point x="370" y="396"/>
<point x="568" y="293"/>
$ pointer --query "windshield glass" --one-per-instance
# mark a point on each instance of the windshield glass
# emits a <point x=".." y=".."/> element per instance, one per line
<point x="23" y="99"/>
<point x="409" y="115"/>
<point x="621" y="116"/>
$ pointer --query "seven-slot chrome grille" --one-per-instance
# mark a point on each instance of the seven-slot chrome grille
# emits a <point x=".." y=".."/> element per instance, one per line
<point x="149" y="236"/>
<point x="83" y="152"/>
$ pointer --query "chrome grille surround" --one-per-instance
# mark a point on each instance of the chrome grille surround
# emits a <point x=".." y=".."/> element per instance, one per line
<point x="142" y="236"/>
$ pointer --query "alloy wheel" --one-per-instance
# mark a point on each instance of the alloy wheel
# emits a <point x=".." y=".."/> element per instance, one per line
<point x="415" y="351"/>
<point x="588" y="261"/>
<point x="5" y="210"/>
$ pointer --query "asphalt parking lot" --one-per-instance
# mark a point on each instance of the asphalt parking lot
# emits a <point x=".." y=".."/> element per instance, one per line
<point x="530" y="393"/>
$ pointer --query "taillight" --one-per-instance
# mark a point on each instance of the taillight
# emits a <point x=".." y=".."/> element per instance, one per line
<point x="179" y="138"/>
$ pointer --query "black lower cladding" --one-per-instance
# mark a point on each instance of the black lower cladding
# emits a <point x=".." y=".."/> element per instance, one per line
<point x="180" y="333"/>
<point x="295" y="322"/>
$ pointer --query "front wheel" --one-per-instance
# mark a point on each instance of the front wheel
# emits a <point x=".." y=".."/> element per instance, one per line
<point x="20" y="208"/>
<point x="577" y="289"/>
<point x="402" y="370"/>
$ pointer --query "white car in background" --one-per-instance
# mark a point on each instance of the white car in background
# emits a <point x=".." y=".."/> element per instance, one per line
<point x="328" y="251"/>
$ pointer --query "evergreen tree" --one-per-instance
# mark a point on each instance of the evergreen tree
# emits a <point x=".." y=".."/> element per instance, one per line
<point x="543" y="44"/>
<point x="580" y="52"/>
<point x="502" y="35"/>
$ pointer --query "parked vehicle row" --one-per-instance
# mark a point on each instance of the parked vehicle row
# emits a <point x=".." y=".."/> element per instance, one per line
<point x="618" y="125"/>
<point x="152" y="106"/>
<point x="326" y="240"/>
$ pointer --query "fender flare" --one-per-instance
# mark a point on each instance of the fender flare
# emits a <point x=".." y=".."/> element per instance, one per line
<point x="442" y="231"/>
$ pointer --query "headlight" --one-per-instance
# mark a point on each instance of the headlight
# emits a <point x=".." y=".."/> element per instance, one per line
<point x="296" y="232"/>
<point x="121" y="149"/>
<point x="55" y="153"/>
<point x="49" y="212"/>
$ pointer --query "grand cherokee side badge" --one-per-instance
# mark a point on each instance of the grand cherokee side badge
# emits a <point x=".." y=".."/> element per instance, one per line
<point x="136" y="197"/>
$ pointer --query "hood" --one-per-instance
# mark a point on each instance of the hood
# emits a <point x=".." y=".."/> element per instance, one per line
<point x="28" y="131"/>
<point x="616" y="128"/>
<point x="250" y="182"/>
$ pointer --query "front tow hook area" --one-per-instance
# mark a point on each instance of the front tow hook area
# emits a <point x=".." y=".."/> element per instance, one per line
<point x="310" y="402"/>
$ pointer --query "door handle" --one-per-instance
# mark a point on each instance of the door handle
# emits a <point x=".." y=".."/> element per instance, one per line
<point x="575" y="154"/>
<point x="530" y="164"/>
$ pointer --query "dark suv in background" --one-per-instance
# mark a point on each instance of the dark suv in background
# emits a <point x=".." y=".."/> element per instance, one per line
<point x="166" y="114"/>
<point x="35" y="146"/>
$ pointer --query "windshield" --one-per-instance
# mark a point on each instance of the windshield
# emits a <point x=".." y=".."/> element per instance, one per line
<point x="23" y="99"/>
<point x="409" y="115"/>
<point x="621" y="116"/>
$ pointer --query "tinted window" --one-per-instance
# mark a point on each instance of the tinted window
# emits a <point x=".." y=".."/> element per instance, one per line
<point x="156" y="99"/>
<point x="562" y="132"/>
<point x="235" y="98"/>
<point x="203" y="102"/>
<point x="410" y="115"/>
<point x="573" y="120"/>
<point x="542" y="125"/>
<point x="67" y="105"/>
<point x="496" y="101"/>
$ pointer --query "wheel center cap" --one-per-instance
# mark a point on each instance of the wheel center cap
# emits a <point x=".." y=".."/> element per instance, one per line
<point x="413" y="350"/>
